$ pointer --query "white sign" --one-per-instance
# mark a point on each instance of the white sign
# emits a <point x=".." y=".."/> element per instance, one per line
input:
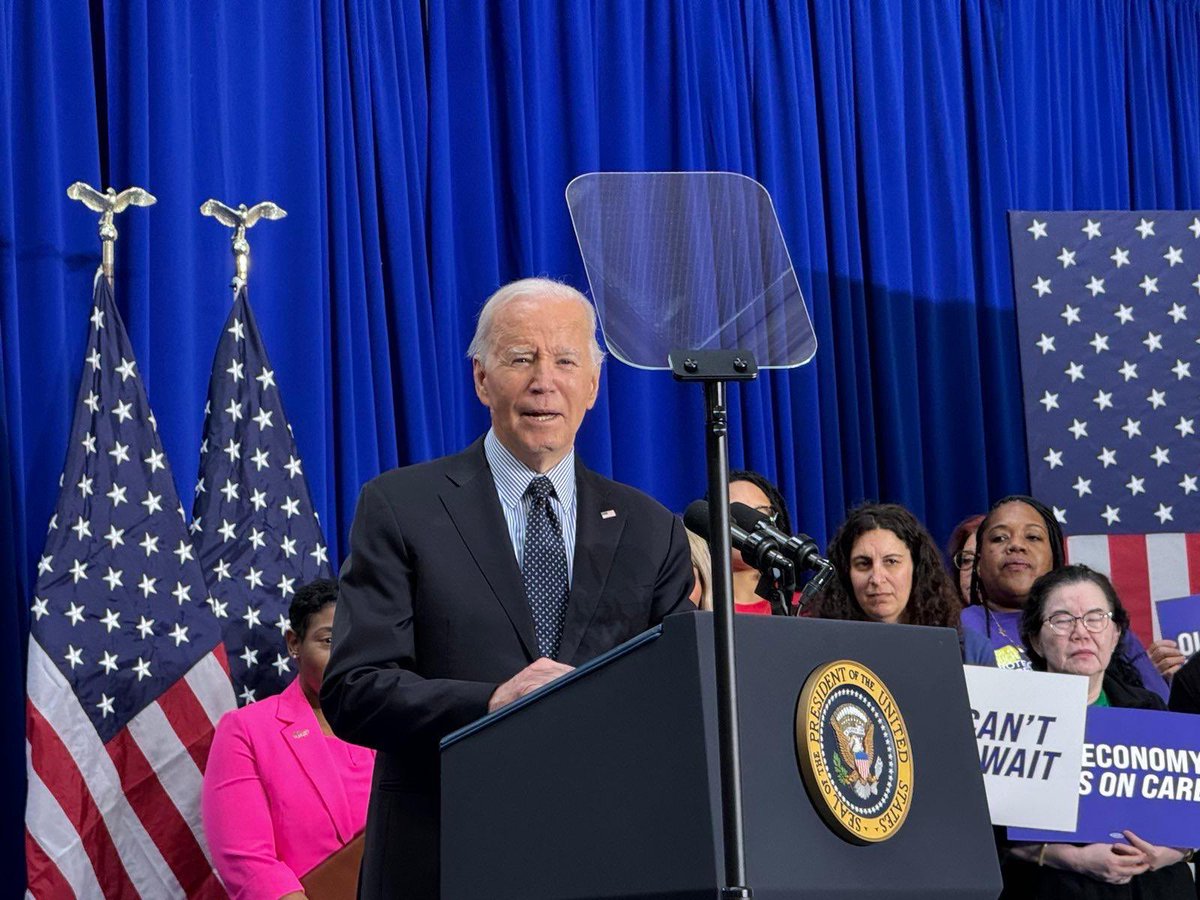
<point x="1029" y="730"/>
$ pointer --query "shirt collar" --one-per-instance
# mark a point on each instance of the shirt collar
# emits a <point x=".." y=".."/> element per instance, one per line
<point x="512" y="476"/>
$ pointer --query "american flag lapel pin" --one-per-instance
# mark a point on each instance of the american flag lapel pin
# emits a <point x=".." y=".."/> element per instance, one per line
<point x="608" y="513"/>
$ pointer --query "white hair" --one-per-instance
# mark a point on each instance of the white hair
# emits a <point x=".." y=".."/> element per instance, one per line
<point x="481" y="343"/>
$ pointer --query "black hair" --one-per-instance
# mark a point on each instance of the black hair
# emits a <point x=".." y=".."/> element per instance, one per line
<point x="1054" y="536"/>
<point x="932" y="600"/>
<point x="783" y="520"/>
<point x="310" y="600"/>
<point x="1033" y="615"/>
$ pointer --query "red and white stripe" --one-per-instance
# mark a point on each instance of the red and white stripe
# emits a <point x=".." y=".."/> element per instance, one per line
<point x="120" y="819"/>
<point x="1143" y="568"/>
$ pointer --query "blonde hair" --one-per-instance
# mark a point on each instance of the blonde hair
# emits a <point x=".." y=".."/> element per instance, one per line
<point x="702" y="561"/>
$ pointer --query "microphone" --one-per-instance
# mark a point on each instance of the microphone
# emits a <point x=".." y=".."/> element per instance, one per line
<point x="759" y="549"/>
<point x="816" y="584"/>
<point x="800" y="548"/>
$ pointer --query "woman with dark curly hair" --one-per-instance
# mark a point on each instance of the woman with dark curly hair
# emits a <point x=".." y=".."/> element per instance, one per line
<point x="1072" y="623"/>
<point x="890" y="570"/>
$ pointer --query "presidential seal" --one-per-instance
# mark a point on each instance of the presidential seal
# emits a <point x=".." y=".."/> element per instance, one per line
<point x="854" y="752"/>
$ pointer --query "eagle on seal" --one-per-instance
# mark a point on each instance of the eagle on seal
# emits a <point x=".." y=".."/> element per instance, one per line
<point x="855" y="733"/>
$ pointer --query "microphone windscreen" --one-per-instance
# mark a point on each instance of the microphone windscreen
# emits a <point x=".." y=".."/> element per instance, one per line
<point x="695" y="517"/>
<point x="746" y="517"/>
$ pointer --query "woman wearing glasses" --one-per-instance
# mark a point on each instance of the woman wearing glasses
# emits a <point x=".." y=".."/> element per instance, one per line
<point x="961" y="553"/>
<point x="1072" y="623"/>
<point x="756" y="492"/>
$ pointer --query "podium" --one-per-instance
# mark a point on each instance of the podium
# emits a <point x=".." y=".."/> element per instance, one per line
<point x="606" y="784"/>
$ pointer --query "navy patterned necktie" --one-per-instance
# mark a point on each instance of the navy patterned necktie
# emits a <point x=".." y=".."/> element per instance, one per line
<point x="544" y="567"/>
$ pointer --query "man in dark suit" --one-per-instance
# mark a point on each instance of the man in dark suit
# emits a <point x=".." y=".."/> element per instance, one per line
<point x="479" y="577"/>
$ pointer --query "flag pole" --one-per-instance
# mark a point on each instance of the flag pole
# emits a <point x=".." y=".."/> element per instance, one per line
<point x="239" y="220"/>
<point x="109" y="203"/>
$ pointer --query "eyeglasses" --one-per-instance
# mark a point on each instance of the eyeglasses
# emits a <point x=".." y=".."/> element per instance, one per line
<point x="1094" y="620"/>
<point x="770" y="512"/>
<point x="963" y="559"/>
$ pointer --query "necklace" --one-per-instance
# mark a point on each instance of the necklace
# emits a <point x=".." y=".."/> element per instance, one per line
<point x="1013" y="655"/>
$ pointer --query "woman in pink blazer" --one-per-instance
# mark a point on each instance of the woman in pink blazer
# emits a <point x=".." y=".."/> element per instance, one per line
<point x="281" y="793"/>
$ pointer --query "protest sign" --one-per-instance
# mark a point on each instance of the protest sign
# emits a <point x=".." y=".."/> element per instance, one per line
<point x="1179" y="620"/>
<point x="1141" y="772"/>
<point x="1029" y="730"/>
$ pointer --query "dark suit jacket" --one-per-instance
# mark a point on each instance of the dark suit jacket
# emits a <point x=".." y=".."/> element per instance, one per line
<point x="432" y="616"/>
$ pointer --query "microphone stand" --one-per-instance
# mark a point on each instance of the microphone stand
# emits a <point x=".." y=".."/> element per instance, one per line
<point x="772" y="590"/>
<point x="713" y="368"/>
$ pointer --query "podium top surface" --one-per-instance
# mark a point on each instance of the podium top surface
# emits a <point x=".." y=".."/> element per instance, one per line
<point x="556" y="685"/>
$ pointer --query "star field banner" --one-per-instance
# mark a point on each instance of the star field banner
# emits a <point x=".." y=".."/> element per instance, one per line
<point x="256" y="534"/>
<point x="1141" y="773"/>
<point x="1108" y="315"/>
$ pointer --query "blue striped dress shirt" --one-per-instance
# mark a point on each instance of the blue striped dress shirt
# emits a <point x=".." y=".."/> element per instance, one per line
<point x="512" y="479"/>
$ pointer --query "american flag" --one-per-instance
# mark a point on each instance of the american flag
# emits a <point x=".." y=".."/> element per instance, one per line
<point x="256" y="534"/>
<point x="1108" y="314"/>
<point x="126" y="674"/>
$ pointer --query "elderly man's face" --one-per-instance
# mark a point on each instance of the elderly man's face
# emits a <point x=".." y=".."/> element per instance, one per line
<point x="538" y="378"/>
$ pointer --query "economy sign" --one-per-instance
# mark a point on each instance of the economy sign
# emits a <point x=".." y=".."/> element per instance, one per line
<point x="1141" y="773"/>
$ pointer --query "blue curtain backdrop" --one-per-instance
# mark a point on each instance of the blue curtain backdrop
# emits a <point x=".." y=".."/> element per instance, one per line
<point x="422" y="150"/>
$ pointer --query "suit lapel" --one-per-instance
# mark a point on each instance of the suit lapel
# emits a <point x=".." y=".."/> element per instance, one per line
<point x="301" y="733"/>
<point x="474" y="508"/>
<point x="596" y="536"/>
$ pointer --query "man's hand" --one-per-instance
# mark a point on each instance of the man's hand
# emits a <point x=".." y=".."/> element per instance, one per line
<point x="529" y="679"/>
<point x="1156" y="856"/>
<point x="1166" y="657"/>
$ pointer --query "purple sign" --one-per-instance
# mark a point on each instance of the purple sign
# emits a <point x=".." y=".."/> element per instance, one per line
<point x="1141" y="773"/>
<point x="1179" y="620"/>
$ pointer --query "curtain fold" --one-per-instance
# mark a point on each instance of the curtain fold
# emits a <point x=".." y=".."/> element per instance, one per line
<point x="48" y="139"/>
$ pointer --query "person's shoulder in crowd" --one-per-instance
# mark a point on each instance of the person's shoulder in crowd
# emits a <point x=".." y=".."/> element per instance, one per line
<point x="972" y="618"/>
<point x="1185" y="687"/>
<point x="1128" y="696"/>
<point x="976" y="648"/>
<point x="254" y="715"/>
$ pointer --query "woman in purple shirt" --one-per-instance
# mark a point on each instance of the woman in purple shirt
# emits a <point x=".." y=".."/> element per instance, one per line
<point x="1017" y="542"/>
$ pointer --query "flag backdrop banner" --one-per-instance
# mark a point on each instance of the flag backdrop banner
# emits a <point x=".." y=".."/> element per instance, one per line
<point x="1108" y="316"/>
<point x="256" y="534"/>
<point x="126" y="675"/>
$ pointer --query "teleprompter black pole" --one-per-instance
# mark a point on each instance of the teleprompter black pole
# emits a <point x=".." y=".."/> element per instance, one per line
<point x="717" y="451"/>
<point x="714" y="368"/>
